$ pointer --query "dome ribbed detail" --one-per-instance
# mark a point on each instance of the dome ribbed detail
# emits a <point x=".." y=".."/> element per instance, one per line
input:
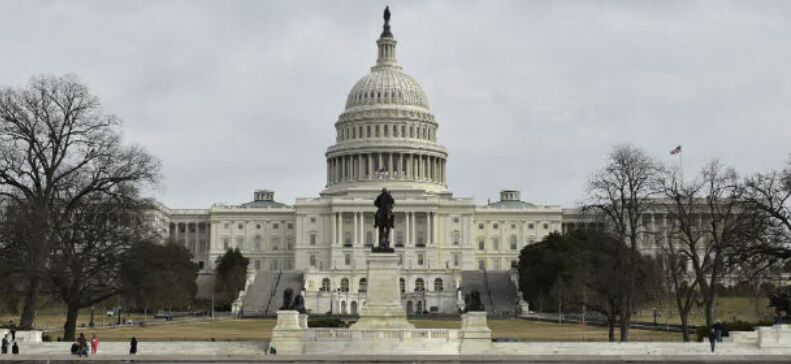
<point x="387" y="86"/>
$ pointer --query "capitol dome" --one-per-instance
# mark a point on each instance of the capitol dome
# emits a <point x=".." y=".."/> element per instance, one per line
<point x="387" y="85"/>
<point x="386" y="137"/>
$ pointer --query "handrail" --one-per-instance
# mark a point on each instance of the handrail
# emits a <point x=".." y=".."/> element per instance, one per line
<point x="273" y="291"/>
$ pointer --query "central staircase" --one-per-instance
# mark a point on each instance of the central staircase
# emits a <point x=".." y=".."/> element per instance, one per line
<point x="265" y="296"/>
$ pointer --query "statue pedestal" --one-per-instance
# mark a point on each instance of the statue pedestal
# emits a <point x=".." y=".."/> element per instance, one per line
<point x="383" y="308"/>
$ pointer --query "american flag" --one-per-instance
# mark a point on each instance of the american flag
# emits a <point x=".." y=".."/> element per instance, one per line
<point x="676" y="150"/>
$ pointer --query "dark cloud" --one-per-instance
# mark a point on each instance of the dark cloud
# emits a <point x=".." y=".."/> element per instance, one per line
<point x="238" y="95"/>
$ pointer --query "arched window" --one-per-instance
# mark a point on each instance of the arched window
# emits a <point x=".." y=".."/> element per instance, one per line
<point x="402" y="284"/>
<point x="513" y="242"/>
<point x="420" y="286"/>
<point x="438" y="285"/>
<point x="325" y="285"/>
<point x="363" y="286"/>
<point x="344" y="285"/>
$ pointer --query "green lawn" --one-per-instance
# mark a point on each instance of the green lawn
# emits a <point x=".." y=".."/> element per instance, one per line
<point x="752" y="309"/>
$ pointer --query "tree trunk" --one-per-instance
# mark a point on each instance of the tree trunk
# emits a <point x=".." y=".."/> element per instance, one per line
<point x="611" y="328"/>
<point x="31" y="299"/>
<point x="710" y="304"/>
<point x="684" y="326"/>
<point x="70" y="326"/>
<point x="626" y="319"/>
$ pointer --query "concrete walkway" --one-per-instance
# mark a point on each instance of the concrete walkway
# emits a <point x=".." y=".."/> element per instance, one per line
<point x="534" y="352"/>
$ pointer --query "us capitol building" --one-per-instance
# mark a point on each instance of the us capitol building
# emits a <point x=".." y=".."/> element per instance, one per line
<point x="447" y="246"/>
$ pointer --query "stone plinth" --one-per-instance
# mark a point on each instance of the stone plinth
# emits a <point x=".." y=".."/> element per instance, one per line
<point x="476" y="337"/>
<point x="288" y="333"/>
<point x="383" y="308"/>
<point x="777" y="336"/>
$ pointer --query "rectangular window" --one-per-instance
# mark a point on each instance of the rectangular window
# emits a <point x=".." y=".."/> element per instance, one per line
<point x="514" y="264"/>
<point x="347" y="259"/>
<point x="496" y="226"/>
<point x="312" y="220"/>
<point x="480" y="226"/>
<point x="312" y="239"/>
<point x="275" y="265"/>
<point x="275" y="226"/>
<point x="420" y="259"/>
<point x="225" y="244"/>
<point x="313" y="260"/>
<point x="530" y="226"/>
<point x="456" y="259"/>
<point x="496" y="244"/>
<point x="258" y="245"/>
<point x="420" y="238"/>
<point x="377" y="131"/>
<point x="546" y="226"/>
<point x="241" y="226"/>
<point x="481" y="264"/>
<point x="290" y="226"/>
<point x="399" y="238"/>
<point x="481" y="245"/>
<point x="369" y="238"/>
<point x="385" y="130"/>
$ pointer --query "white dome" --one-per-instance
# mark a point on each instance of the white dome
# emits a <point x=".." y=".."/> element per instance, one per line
<point x="387" y="86"/>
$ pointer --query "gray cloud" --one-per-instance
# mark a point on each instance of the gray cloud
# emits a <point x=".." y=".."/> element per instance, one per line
<point x="238" y="95"/>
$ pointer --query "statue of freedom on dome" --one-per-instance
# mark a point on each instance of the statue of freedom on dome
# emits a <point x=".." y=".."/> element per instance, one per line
<point x="384" y="221"/>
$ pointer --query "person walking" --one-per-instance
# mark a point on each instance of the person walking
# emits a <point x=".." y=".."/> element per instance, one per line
<point x="712" y="338"/>
<point x="4" y="346"/>
<point x="133" y="346"/>
<point x="12" y="328"/>
<point x="94" y="344"/>
<point x="718" y="330"/>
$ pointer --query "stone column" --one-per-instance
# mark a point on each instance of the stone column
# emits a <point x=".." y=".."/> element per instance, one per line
<point x="334" y="228"/>
<point x="435" y="225"/>
<point x="407" y="240"/>
<point x="381" y="161"/>
<point x="429" y="224"/>
<point x="361" y="167"/>
<point x="355" y="232"/>
<point x="340" y="228"/>
<point x="362" y="228"/>
<point x="390" y="169"/>
<point x="370" y="166"/>
<point x="414" y="227"/>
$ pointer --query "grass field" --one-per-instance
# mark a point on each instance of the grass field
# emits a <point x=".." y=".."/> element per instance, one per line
<point x="742" y="308"/>
<point x="752" y="309"/>
<point x="258" y="329"/>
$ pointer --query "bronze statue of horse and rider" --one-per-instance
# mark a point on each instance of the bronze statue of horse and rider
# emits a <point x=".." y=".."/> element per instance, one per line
<point x="384" y="221"/>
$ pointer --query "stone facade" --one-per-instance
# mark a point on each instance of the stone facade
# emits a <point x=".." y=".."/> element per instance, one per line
<point x="386" y="138"/>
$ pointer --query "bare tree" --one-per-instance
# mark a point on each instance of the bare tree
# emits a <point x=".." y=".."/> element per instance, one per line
<point x="711" y="224"/>
<point x="685" y="235"/>
<point x="91" y="245"/>
<point x="56" y="148"/>
<point x="771" y="193"/>
<point x="622" y="192"/>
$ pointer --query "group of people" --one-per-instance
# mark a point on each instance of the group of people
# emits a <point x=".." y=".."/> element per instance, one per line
<point x="10" y="342"/>
<point x="80" y="347"/>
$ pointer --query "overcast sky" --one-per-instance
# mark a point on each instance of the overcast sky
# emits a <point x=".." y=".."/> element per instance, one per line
<point x="531" y="95"/>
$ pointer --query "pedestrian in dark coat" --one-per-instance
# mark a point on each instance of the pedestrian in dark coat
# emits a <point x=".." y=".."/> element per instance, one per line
<point x="12" y="328"/>
<point x="4" y="347"/>
<point x="133" y="346"/>
<point x="15" y="348"/>
<point x="712" y="338"/>
<point x="718" y="330"/>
